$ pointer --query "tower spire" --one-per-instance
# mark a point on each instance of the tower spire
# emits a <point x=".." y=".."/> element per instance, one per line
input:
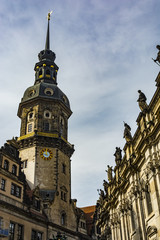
<point x="47" y="46"/>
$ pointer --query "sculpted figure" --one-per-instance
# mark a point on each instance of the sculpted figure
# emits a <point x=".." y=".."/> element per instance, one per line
<point x="105" y="185"/>
<point x="158" y="55"/>
<point x="118" y="154"/>
<point x="109" y="171"/>
<point x="127" y="132"/>
<point x="142" y="101"/>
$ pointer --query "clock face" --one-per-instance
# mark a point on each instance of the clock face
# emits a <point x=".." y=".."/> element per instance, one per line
<point x="46" y="154"/>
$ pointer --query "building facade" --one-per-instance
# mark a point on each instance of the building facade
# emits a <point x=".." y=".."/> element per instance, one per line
<point x="129" y="206"/>
<point x="35" y="168"/>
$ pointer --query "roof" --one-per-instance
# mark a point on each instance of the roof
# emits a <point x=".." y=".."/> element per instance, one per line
<point x="89" y="213"/>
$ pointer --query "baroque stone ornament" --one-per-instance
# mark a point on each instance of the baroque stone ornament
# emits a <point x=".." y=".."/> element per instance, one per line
<point x="142" y="101"/>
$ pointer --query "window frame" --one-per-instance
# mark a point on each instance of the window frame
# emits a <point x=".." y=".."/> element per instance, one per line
<point x="6" y="165"/>
<point x="3" y="184"/>
<point x="11" y="230"/>
<point x="16" y="190"/>
<point x="14" y="169"/>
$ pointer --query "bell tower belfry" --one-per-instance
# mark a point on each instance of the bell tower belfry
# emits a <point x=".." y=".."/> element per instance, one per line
<point x="44" y="149"/>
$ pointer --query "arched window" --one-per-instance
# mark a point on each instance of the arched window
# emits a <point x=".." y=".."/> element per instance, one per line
<point x="14" y="169"/>
<point x="6" y="165"/>
<point x="63" y="218"/>
<point x="40" y="73"/>
<point x="48" y="73"/>
<point x="30" y="116"/>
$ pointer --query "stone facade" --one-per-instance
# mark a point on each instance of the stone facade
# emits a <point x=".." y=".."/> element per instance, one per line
<point x="129" y="206"/>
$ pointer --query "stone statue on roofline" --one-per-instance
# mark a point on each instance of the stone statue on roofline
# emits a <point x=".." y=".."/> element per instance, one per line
<point x="142" y="101"/>
<point x="118" y="155"/>
<point x="109" y="173"/>
<point x="127" y="133"/>
<point x="158" y="56"/>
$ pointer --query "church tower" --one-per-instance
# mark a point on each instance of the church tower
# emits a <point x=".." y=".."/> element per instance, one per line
<point x="44" y="149"/>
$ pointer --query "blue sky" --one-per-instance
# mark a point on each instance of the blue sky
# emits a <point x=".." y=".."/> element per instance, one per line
<point x="103" y="50"/>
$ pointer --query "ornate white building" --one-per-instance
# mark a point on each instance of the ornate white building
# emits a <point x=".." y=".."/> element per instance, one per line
<point x="129" y="206"/>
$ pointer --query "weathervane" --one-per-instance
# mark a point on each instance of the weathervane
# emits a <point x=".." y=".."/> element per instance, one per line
<point x="49" y="15"/>
<point x="158" y="56"/>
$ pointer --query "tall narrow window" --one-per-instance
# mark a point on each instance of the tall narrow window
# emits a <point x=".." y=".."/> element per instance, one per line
<point x="34" y="235"/>
<point x="63" y="219"/>
<point x="40" y="73"/>
<point x="46" y="126"/>
<point x="30" y="127"/>
<point x="3" y="184"/>
<point x="48" y="73"/>
<point x="14" y="169"/>
<point x="11" y="231"/>
<point x="149" y="202"/>
<point x="20" y="232"/>
<point x="63" y="168"/>
<point x="25" y="163"/>
<point x="6" y="165"/>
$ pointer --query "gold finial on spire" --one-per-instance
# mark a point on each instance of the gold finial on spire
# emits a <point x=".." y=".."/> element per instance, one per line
<point x="49" y="15"/>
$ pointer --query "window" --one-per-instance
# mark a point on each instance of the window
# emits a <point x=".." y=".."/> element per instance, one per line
<point x="40" y="73"/>
<point x="25" y="163"/>
<point x="47" y="73"/>
<point x="149" y="201"/>
<point x="14" y="169"/>
<point x="36" y="235"/>
<point x="30" y="116"/>
<point x="47" y="114"/>
<point x="48" y="91"/>
<point x="36" y="204"/>
<point x="83" y="225"/>
<point x="63" y="218"/>
<point x="20" y="232"/>
<point x="3" y="183"/>
<point x="6" y="165"/>
<point x="33" y="235"/>
<point x="46" y="126"/>
<point x="63" y="168"/>
<point x="63" y="196"/>
<point x="30" y="127"/>
<point x="15" y="190"/>
<point x="11" y="231"/>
